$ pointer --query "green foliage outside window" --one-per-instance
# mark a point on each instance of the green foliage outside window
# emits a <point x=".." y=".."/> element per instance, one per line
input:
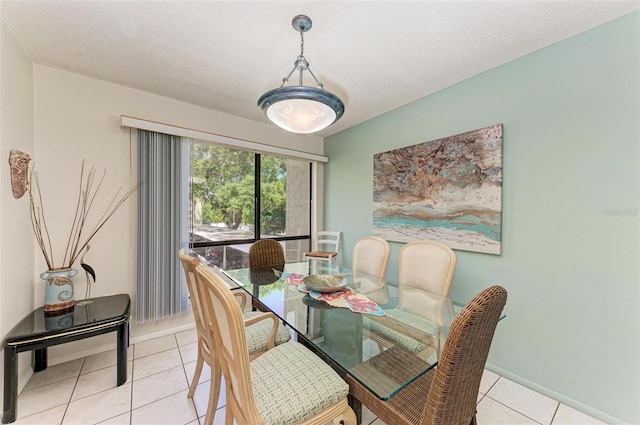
<point x="223" y="180"/>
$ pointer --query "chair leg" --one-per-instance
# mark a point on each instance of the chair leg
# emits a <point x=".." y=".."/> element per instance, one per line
<point x="349" y="417"/>
<point x="228" y="417"/>
<point x="473" y="420"/>
<point x="196" y="374"/>
<point x="214" y="392"/>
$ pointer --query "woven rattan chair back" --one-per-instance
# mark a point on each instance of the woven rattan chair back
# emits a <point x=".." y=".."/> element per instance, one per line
<point x="266" y="252"/>
<point x="454" y="391"/>
<point x="424" y="267"/>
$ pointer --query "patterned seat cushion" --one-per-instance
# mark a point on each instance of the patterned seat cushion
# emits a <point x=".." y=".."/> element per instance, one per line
<point x="258" y="333"/>
<point x="291" y="384"/>
<point x="396" y="337"/>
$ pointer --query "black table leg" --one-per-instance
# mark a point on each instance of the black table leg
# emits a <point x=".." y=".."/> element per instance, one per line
<point x="10" y="385"/>
<point x="40" y="359"/>
<point x="121" y="351"/>
<point x="356" y="405"/>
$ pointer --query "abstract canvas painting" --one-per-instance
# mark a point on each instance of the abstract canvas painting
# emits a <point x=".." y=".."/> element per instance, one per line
<point x="448" y="190"/>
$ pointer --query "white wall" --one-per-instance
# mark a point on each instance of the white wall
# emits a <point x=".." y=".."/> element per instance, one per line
<point x="77" y="118"/>
<point x="16" y="239"/>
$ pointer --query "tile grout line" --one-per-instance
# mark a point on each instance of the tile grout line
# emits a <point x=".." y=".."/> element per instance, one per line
<point x="555" y="412"/>
<point x="512" y="409"/>
<point x="521" y="413"/>
<point x="193" y="403"/>
<point x="66" y="407"/>
<point x="133" y="365"/>
<point x="199" y="420"/>
<point x="169" y="395"/>
<point x="492" y="385"/>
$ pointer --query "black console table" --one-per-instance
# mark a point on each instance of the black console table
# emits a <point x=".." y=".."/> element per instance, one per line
<point x="38" y="331"/>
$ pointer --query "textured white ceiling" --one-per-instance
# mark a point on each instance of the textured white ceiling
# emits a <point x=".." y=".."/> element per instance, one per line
<point x="223" y="55"/>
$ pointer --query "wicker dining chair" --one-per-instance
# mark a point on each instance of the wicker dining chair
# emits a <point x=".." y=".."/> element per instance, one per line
<point x="259" y="332"/>
<point x="265" y="256"/>
<point x="288" y="384"/>
<point x="446" y="395"/>
<point x="266" y="252"/>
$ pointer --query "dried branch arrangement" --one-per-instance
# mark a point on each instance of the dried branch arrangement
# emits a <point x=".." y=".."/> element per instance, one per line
<point x="80" y="233"/>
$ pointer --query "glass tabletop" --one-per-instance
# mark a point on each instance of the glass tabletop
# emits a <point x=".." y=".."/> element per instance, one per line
<point x="385" y="349"/>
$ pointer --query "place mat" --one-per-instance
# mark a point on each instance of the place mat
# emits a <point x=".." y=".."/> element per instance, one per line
<point x="358" y="303"/>
<point x="293" y="278"/>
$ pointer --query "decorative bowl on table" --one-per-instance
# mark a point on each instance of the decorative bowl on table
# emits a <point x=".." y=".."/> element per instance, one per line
<point x="325" y="282"/>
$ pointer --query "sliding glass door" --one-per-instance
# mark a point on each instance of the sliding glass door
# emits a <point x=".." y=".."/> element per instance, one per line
<point x="223" y="194"/>
<point x="238" y="197"/>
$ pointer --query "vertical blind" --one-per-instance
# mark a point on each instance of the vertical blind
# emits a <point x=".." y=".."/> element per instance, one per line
<point x="162" y="225"/>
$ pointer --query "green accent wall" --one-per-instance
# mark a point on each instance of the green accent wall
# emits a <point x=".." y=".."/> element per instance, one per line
<point x="570" y="210"/>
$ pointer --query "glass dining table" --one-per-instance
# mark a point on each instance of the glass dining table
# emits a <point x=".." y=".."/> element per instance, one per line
<point x="385" y="345"/>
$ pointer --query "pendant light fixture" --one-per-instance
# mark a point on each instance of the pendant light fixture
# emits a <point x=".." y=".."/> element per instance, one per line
<point x="301" y="109"/>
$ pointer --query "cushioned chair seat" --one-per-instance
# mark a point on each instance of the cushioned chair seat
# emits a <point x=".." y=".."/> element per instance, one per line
<point x="292" y="394"/>
<point x="258" y="333"/>
<point x="285" y="385"/>
<point x="396" y="337"/>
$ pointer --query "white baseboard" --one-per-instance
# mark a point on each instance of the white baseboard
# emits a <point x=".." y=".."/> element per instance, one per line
<point x="112" y="346"/>
<point x="163" y="332"/>
<point x="23" y="378"/>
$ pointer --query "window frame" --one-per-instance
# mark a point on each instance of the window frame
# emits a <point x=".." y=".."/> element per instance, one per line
<point x="257" y="208"/>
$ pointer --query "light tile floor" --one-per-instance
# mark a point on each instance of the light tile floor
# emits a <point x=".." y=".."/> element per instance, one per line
<point x="84" y="391"/>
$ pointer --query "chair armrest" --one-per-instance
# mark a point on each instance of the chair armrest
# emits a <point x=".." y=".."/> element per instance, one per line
<point x="271" y="342"/>
<point x="242" y="297"/>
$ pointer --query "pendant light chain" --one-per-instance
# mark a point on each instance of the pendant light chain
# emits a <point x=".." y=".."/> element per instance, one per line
<point x="301" y="64"/>
<point x="301" y="59"/>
